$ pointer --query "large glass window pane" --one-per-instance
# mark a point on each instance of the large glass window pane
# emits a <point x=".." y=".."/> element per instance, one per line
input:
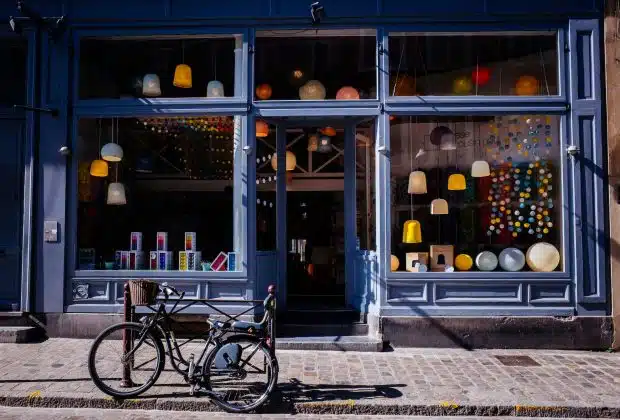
<point x="13" y="71"/>
<point x="170" y="68"/>
<point x="492" y="64"/>
<point x="316" y="64"/>
<point x="476" y="193"/>
<point x="156" y="193"/>
<point x="365" y="186"/>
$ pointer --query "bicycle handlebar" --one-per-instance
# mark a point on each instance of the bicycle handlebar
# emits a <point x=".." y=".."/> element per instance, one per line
<point x="169" y="290"/>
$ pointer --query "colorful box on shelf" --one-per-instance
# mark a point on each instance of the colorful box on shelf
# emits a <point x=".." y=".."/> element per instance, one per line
<point x="136" y="260"/>
<point x="160" y="260"/>
<point x="123" y="260"/>
<point x="190" y="241"/>
<point x="232" y="261"/>
<point x="136" y="241"/>
<point x="189" y="260"/>
<point x="162" y="241"/>
<point x="219" y="263"/>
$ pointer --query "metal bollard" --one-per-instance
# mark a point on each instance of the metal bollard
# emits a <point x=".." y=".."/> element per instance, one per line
<point x="126" y="380"/>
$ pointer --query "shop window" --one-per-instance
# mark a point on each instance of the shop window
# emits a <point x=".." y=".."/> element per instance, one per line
<point x="156" y="194"/>
<point x="315" y="65"/>
<point x="150" y="68"/>
<point x="266" y="192"/>
<point x="522" y="64"/>
<point x="479" y="193"/>
<point x="365" y="186"/>
<point x="13" y="71"/>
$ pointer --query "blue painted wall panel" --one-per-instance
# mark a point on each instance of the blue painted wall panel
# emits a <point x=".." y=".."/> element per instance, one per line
<point x="212" y="8"/>
<point x="117" y="9"/>
<point x="433" y="8"/>
<point x="552" y="7"/>
<point x="333" y="8"/>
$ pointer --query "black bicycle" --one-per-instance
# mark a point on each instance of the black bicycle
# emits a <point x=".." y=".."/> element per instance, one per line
<point x="126" y="359"/>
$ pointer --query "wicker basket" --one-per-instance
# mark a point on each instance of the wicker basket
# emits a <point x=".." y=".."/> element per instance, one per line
<point x="143" y="292"/>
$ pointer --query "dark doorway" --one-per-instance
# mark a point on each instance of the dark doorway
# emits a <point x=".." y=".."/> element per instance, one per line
<point x="316" y="251"/>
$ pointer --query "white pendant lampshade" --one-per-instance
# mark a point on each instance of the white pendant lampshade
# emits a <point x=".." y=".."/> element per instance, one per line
<point x="313" y="89"/>
<point x="116" y="194"/>
<point x="151" y="85"/>
<point x="439" y="206"/>
<point x="112" y="152"/>
<point x="417" y="183"/>
<point x="480" y="169"/>
<point x="215" y="89"/>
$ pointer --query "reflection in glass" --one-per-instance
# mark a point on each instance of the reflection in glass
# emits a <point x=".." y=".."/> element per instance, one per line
<point x="316" y="64"/>
<point x="485" y="205"/>
<point x="523" y="64"/>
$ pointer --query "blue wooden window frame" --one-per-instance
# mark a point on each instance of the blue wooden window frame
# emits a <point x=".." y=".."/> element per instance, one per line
<point x="145" y="107"/>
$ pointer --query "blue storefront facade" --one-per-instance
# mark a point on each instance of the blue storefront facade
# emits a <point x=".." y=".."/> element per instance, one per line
<point x="460" y="145"/>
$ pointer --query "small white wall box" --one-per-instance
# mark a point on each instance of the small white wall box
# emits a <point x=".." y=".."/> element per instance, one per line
<point x="136" y="260"/>
<point x="162" y="241"/>
<point x="136" y="241"/>
<point x="190" y="241"/>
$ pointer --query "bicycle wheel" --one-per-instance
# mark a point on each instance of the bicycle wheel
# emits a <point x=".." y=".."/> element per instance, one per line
<point x="241" y="373"/>
<point x="141" y="369"/>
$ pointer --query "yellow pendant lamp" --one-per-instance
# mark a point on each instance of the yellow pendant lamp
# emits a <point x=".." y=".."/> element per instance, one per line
<point x="412" y="232"/>
<point x="456" y="182"/>
<point x="183" y="74"/>
<point x="99" y="168"/>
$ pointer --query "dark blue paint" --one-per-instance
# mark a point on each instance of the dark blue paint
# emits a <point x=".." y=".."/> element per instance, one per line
<point x="584" y="55"/>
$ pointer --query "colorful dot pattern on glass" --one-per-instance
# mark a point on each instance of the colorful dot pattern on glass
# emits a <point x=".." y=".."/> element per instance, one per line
<point x="521" y="199"/>
<point x="521" y="138"/>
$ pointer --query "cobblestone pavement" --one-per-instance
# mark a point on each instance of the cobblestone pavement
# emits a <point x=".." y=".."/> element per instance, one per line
<point x="55" y="373"/>
<point x="29" y="413"/>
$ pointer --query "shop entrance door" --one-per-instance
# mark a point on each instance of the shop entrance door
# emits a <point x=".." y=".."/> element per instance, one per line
<point x="10" y="213"/>
<point x="315" y="208"/>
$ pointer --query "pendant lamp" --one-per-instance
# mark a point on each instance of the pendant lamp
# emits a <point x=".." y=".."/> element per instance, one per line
<point x="151" y="85"/>
<point x="99" y="168"/>
<point x="262" y="128"/>
<point x="325" y="144"/>
<point x="215" y="89"/>
<point x="313" y="143"/>
<point x="183" y="73"/>
<point x="412" y="232"/>
<point x="456" y="182"/>
<point x="443" y="137"/>
<point x="291" y="161"/>
<point x="480" y="169"/>
<point x="439" y="206"/>
<point x="394" y="262"/>
<point x="112" y="152"/>
<point x="116" y="194"/>
<point x="417" y="183"/>
<point x="312" y="90"/>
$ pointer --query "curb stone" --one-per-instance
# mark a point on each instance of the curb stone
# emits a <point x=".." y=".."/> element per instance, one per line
<point x="343" y="407"/>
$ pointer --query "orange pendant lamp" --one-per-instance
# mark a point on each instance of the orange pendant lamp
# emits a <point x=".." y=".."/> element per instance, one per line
<point x="183" y="74"/>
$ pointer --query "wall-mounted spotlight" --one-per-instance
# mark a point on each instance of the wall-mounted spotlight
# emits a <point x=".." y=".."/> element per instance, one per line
<point x="54" y="25"/>
<point x="317" y="12"/>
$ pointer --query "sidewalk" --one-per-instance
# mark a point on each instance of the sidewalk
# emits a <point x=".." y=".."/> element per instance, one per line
<point x="403" y="382"/>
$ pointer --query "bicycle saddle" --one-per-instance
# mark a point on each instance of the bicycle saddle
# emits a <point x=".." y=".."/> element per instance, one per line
<point x="218" y="325"/>
<point x="247" y="326"/>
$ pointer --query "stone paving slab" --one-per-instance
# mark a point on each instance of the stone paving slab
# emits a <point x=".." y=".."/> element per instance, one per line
<point x="403" y="382"/>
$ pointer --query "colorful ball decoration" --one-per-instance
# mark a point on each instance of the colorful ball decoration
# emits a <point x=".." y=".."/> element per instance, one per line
<point x="394" y="262"/>
<point x="263" y="91"/>
<point x="511" y="259"/>
<point x="486" y="261"/>
<point x="481" y="76"/>
<point x="463" y="262"/>
<point x="462" y="86"/>
<point x="347" y="93"/>
<point x="312" y="90"/>
<point x="527" y="86"/>
<point x="543" y="257"/>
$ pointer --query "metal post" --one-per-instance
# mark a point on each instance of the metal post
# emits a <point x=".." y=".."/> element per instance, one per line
<point x="126" y="380"/>
<point x="272" y="321"/>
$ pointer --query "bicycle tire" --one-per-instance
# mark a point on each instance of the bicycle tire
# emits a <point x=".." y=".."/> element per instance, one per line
<point x="92" y="369"/>
<point x="273" y="379"/>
